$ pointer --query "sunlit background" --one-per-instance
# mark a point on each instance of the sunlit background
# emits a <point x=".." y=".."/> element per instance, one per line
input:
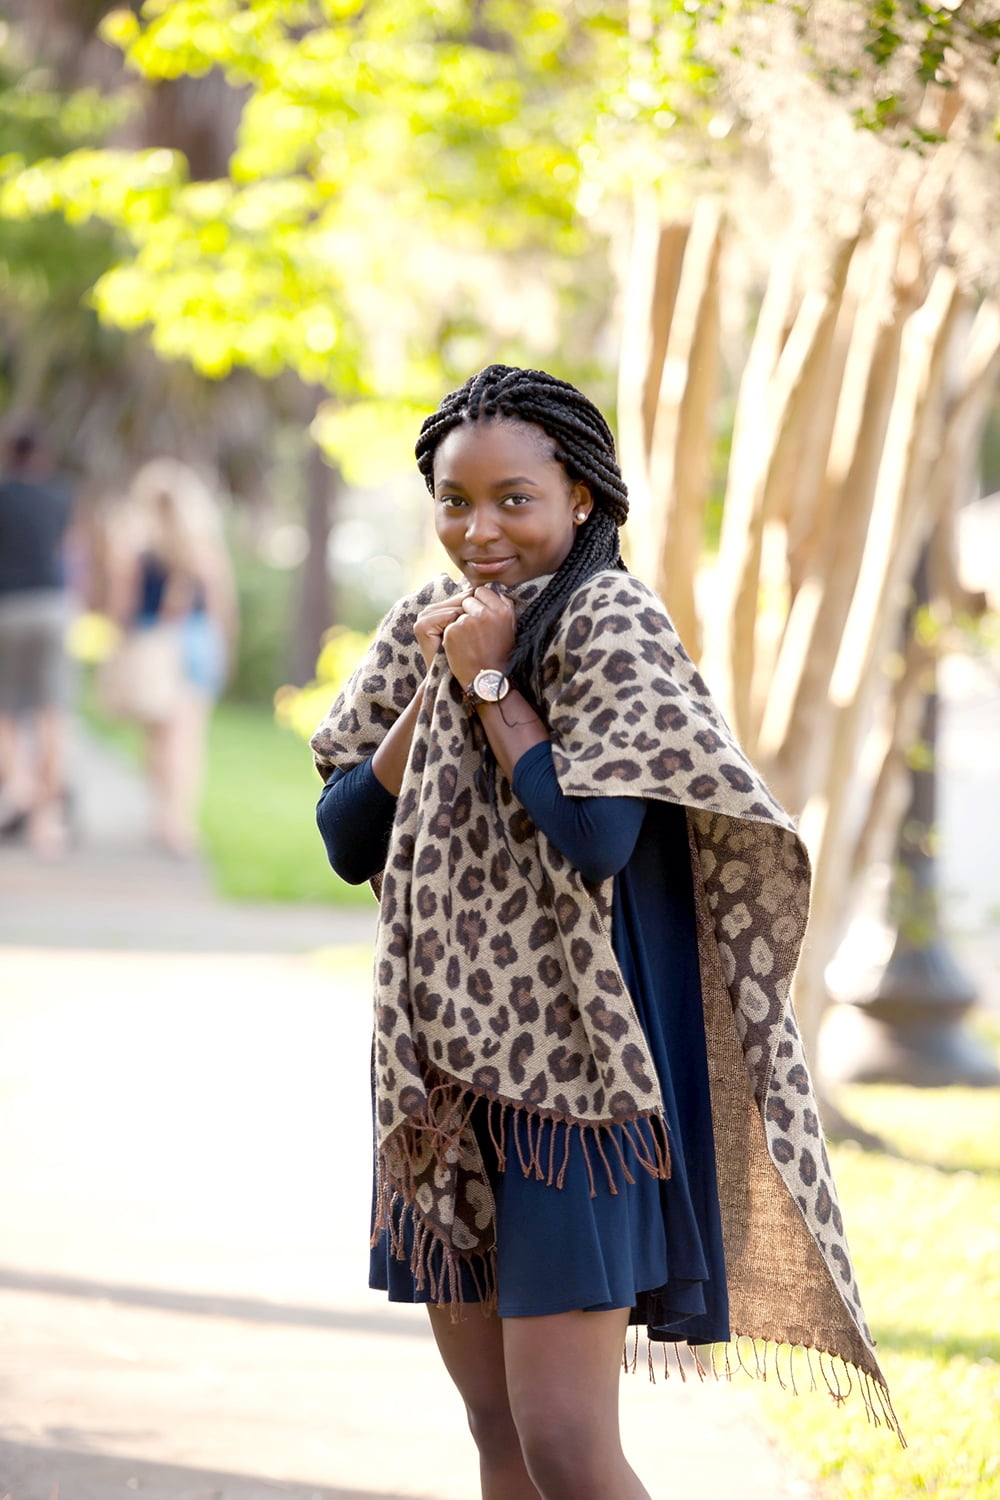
<point x="260" y="239"/>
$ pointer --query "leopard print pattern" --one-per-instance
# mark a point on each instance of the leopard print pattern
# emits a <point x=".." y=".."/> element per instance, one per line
<point x="754" y="868"/>
<point x="494" y="969"/>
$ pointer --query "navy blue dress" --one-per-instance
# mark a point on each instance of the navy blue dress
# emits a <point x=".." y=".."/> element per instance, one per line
<point x="652" y="1246"/>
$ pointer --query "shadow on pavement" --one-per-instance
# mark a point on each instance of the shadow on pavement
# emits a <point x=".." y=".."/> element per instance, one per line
<point x="212" y="1305"/>
<point x="28" y="1472"/>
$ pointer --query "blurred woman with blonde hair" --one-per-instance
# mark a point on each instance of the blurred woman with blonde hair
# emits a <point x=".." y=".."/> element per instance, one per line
<point x="170" y="580"/>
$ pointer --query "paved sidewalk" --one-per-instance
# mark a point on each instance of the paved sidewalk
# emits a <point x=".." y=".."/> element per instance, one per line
<point x="183" y="1309"/>
<point x="183" y="1300"/>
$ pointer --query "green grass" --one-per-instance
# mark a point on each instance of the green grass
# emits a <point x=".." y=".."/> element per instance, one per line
<point x="924" y="1225"/>
<point x="258" y="814"/>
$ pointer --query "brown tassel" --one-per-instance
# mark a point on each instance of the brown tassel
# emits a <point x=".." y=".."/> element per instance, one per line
<point x="561" y="1176"/>
<point x="616" y="1143"/>
<point x="525" y="1166"/>
<point x="586" y="1158"/>
<point x="612" y="1185"/>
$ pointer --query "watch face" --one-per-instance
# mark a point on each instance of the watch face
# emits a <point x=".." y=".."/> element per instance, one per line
<point x="490" y="685"/>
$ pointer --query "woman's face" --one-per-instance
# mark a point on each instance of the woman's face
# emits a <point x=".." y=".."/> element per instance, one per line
<point x="504" y="508"/>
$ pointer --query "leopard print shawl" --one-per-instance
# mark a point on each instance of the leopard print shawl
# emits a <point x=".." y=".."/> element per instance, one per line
<point x="496" y="979"/>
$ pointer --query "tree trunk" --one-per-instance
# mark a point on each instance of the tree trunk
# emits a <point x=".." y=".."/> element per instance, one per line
<point x="898" y="527"/>
<point x="315" y="611"/>
<point x="680" y="439"/>
<point x="795" y="723"/>
<point x="731" y="625"/>
<point x="650" y="295"/>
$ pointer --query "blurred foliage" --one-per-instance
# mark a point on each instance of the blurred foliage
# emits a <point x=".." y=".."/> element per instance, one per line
<point x="48" y="263"/>
<point x="91" y="637"/>
<point x="390" y="151"/>
<point x="415" y="188"/>
<point x="906" y="46"/>
<point x="301" y="709"/>
<point x="386" y="151"/>
<point x="385" y="147"/>
<point x="265" y="597"/>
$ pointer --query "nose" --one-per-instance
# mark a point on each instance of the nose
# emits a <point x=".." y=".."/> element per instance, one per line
<point x="481" y="524"/>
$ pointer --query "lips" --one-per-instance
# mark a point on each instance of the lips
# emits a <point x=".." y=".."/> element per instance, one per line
<point x="488" y="564"/>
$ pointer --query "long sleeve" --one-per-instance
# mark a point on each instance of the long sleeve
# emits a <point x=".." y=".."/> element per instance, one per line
<point x="596" y="834"/>
<point x="354" y="815"/>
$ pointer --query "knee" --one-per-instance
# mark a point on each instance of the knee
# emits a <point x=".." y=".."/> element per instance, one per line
<point x="492" y="1428"/>
<point x="562" y="1449"/>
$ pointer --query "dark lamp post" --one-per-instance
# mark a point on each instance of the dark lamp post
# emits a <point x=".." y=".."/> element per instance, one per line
<point x="906" y="1026"/>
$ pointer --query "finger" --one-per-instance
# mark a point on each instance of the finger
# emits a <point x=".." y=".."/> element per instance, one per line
<point x="434" y="611"/>
<point x="489" y="596"/>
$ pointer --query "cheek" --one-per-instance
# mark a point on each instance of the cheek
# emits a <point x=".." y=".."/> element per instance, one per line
<point x="444" y="526"/>
<point x="561" y="532"/>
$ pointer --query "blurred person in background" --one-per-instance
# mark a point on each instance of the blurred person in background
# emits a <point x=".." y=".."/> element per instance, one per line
<point x="170" y="580"/>
<point x="35" y="509"/>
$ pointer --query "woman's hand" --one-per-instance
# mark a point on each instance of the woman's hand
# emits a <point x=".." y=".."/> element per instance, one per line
<point x="430" y="625"/>
<point x="482" y="635"/>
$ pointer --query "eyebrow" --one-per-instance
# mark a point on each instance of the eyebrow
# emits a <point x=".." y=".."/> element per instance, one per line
<point x="501" y="484"/>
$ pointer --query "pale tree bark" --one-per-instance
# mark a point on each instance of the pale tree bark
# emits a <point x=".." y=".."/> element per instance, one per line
<point x="650" y="293"/>
<point x="679" y="440"/>
<point x="951" y="483"/>
<point x="805" y="370"/>
<point x="898" y="525"/>
<point x="860" y="402"/>
<point x="795" y="720"/>
<point x="730" y="626"/>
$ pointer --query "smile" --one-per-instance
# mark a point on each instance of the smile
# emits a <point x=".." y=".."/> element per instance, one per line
<point x="488" y="565"/>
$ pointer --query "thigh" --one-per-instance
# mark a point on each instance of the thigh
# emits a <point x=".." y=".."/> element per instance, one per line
<point x="564" y="1371"/>
<point x="472" y="1349"/>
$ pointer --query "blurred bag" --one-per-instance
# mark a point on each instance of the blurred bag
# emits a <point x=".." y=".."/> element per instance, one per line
<point x="143" y="678"/>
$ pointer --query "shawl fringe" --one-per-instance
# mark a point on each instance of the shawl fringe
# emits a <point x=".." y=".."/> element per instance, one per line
<point x="439" y="1125"/>
<point x="763" y="1359"/>
<point x="435" y="1134"/>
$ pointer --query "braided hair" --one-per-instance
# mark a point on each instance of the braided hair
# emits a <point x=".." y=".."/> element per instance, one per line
<point x="585" y="448"/>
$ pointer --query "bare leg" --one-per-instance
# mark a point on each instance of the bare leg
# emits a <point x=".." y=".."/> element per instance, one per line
<point x="47" y="831"/>
<point x="473" y="1353"/>
<point x="175" y="757"/>
<point x="8" y="747"/>
<point x="15" y="771"/>
<point x="563" y="1378"/>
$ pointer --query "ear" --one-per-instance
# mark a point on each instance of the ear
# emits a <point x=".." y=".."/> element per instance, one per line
<point x="581" y="501"/>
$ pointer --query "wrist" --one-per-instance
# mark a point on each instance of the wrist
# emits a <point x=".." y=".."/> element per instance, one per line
<point x="488" y="685"/>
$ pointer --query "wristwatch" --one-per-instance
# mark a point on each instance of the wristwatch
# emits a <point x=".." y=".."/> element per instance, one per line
<point x="488" y="686"/>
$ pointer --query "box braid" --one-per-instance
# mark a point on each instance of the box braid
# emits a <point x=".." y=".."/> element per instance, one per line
<point x="585" y="448"/>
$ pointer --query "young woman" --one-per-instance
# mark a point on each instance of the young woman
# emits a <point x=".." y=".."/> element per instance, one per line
<point x="167" y="566"/>
<point x="591" y="1103"/>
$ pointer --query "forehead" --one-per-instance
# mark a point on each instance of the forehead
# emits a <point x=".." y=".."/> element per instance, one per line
<point x="499" y="448"/>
